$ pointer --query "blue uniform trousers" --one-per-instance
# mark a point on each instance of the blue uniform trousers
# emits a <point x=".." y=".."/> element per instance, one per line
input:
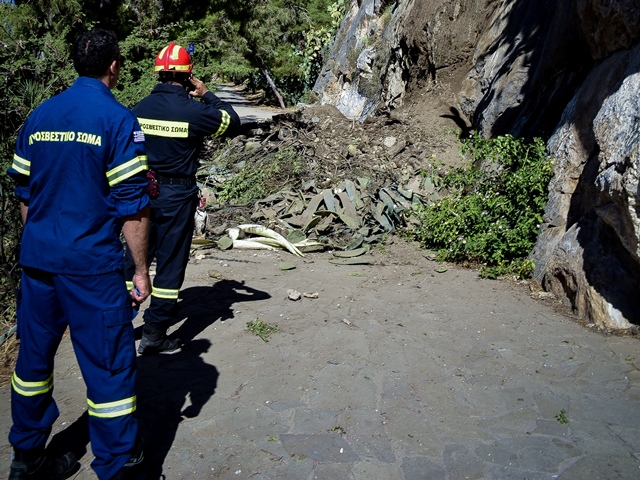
<point x="98" y="311"/>
<point x="172" y="221"/>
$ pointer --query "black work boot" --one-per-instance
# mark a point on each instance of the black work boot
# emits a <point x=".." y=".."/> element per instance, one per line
<point x="36" y="465"/>
<point x="155" y="340"/>
<point x="132" y="470"/>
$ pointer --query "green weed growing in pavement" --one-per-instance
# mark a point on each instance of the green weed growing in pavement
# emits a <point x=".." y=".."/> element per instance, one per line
<point x="561" y="417"/>
<point x="261" y="329"/>
<point x="493" y="214"/>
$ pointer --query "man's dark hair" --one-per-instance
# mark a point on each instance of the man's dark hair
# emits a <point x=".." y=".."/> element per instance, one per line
<point x="94" y="51"/>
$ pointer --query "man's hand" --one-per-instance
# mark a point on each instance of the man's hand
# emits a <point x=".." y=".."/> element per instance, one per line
<point x="199" y="88"/>
<point x="136" y="232"/>
<point x="24" y="209"/>
<point x="141" y="288"/>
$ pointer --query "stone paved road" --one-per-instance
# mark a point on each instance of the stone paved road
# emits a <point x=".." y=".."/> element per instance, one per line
<point x="245" y="108"/>
<point x="395" y="372"/>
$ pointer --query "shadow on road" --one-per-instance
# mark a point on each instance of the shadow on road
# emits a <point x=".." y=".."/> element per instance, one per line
<point x="74" y="439"/>
<point x="166" y="383"/>
<point x="202" y="306"/>
<point x="170" y="389"/>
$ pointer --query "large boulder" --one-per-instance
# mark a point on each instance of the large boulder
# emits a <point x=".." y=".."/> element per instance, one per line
<point x="581" y="59"/>
<point x="592" y="228"/>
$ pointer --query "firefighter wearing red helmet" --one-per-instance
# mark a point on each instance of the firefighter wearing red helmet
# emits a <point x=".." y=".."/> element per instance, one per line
<point x="174" y="125"/>
<point x="173" y="58"/>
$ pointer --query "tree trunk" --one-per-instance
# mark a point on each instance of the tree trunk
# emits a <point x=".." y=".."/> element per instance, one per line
<point x="267" y="77"/>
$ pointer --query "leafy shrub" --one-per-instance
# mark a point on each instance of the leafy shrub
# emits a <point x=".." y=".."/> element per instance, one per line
<point x="493" y="214"/>
<point x="263" y="178"/>
<point x="299" y="52"/>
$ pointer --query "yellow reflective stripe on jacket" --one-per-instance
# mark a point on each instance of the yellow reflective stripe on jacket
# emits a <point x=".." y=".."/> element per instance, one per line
<point x="112" y="409"/>
<point x="225" y="121"/>
<point x="31" y="389"/>
<point x="164" y="128"/>
<point x="126" y="170"/>
<point x="168" y="293"/>
<point x="21" y="165"/>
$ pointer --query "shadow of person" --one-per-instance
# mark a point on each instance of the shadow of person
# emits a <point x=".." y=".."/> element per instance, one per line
<point x="201" y="306"/>
<point x="74" y="439"/>
<point x="465" y="130"/>
<point x="171" y="388"/>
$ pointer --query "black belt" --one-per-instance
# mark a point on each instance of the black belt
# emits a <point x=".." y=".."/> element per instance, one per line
<point x="170" y="180"/>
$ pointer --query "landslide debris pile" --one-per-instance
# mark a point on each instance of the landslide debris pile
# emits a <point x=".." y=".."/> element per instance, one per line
<point x="321" y="180"/>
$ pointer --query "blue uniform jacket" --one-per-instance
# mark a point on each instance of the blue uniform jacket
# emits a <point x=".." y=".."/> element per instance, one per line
<point x="80" y="165"/>
<point x="175" y="125"/>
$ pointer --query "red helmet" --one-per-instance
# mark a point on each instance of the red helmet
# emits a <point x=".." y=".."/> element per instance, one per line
<point x="173" y="58"/>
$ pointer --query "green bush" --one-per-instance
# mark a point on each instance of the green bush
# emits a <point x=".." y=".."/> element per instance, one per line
<point x="493" y="214"/>
<point x="261" y="179"/>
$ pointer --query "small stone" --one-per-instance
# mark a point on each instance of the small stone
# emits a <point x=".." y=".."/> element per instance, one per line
<point x="293" y="295"/>
<point x="546" y="295"/>
<point x="390" y="141"/>
<point x="352" y="150"/>
<point x="214" y="274"/>
<point x="250" y="146"/>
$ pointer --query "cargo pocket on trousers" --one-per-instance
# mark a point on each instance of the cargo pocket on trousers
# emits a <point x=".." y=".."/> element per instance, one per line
<point x="119" y="339"/>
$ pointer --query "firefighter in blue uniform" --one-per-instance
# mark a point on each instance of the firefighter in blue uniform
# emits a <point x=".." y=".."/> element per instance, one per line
<point x="80" y="169"/>
<point x="175" y="125"/>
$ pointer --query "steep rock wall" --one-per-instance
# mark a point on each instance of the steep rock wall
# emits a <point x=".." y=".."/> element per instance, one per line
<point x="592" y="228"/>
<point x="526" y="66"/>
<point x="573" y="74"/>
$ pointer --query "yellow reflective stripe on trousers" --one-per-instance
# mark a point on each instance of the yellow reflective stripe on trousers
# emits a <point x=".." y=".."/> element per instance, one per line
<point x="168" y="293"/>
<point x="126" y="170"/>
<point x="224" y="123"/>
<point x="164" y="128"/>
<point x="31" y="389"/>
<point x="21" y="165"/>
<point x="112" y="409"/>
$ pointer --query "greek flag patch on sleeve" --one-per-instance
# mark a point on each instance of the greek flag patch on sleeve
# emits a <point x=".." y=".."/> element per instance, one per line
<point x="138" y="136"/>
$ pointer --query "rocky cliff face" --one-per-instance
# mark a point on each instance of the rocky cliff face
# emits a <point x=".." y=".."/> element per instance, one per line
<point x="566" y="70"/>
<point x="385" y="51"/>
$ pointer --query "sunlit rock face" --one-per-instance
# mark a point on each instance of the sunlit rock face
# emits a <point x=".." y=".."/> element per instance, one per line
<point x="386" y="50"/>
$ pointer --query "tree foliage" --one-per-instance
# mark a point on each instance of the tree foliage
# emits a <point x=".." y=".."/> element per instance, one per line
<point x="239" y="41"/>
